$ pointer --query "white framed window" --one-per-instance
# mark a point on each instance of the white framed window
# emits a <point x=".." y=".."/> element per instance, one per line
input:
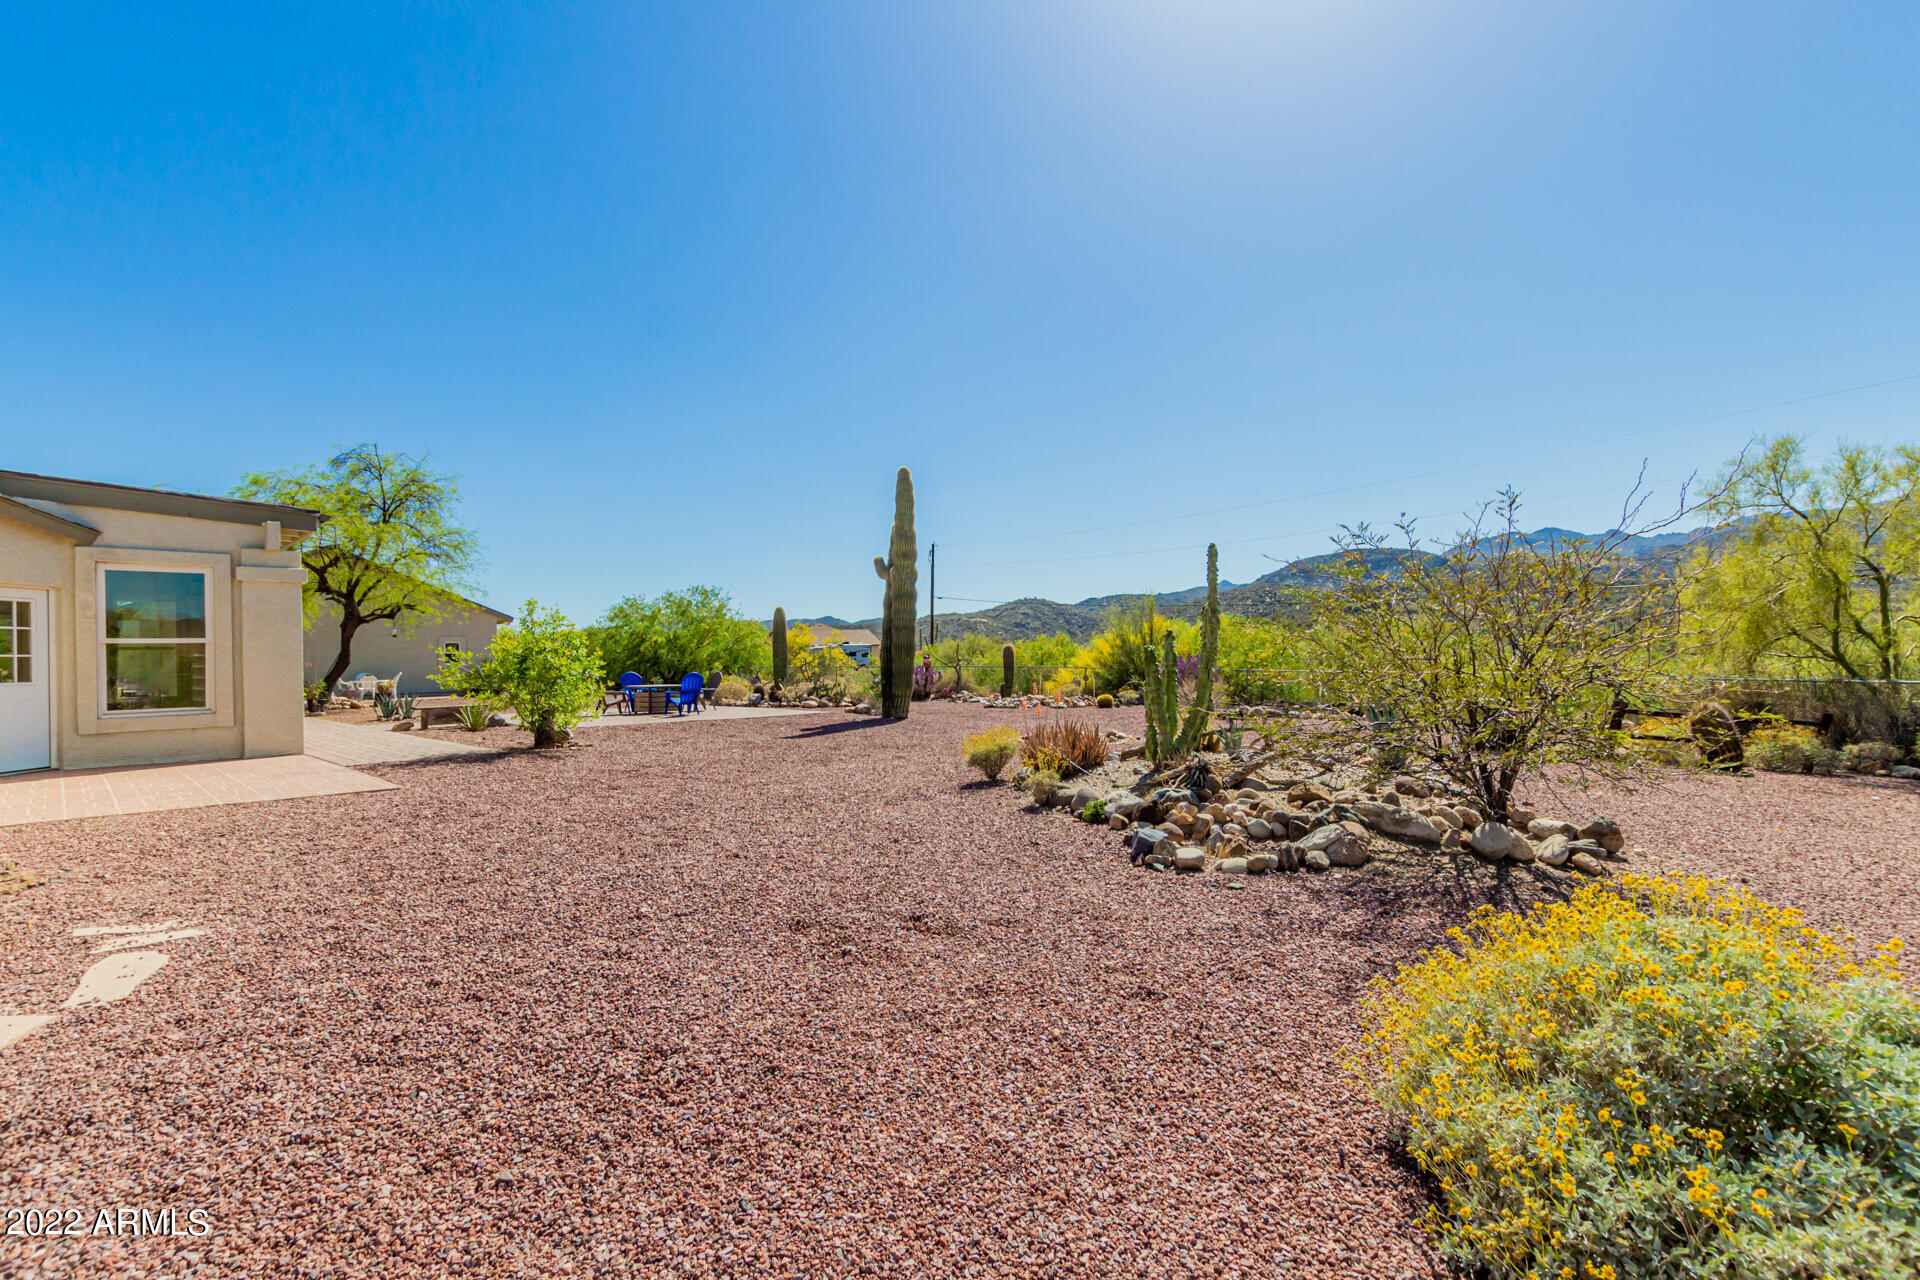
<point x="455" y="645"/>
<point x="17" y="658"/>
<point x="153" y="639"/>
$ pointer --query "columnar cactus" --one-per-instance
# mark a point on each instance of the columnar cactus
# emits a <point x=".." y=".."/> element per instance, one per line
<point x="780" y="646"/>
<point x="1168" y="737"/>
<point x="900" y="570"/>
<point x="1006" y="671"/>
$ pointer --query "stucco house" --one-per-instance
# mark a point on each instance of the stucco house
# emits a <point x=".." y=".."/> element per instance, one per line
<point x="409" y="648"/>
<point x="142" y="626"/>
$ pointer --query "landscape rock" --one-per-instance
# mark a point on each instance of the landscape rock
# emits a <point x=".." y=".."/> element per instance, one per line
<point x="1587" y="864"/>
<point x="1518" y="818"/>
<point x="1541" y="828"/>
<point x="1521" y="849"/>
<point x="1413" y="787"/>
<point x="1490" y="840"/>
<point x="1907" y="771"/>
<point x="1604" y="832"/>
<point x="1315" y="860"/>
<point x="402" y="726"/>
<point x="1259" y="829"/>
<point x="1146" y="841"/>
<point x="1405" y="824"/>
<point x="1261" y="862"/>
<point x="1189" y="858"/>
<point x="1553" y="851"/>
<point x="1232" y="866"/>
<point x="1116" y="822"/>
<point x="1302" y="794"/>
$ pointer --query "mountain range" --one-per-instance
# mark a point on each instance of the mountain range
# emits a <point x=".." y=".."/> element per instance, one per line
<point x="1285" y="592"/>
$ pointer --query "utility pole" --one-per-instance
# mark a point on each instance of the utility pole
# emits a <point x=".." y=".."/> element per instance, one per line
<point x="933" y="598"/>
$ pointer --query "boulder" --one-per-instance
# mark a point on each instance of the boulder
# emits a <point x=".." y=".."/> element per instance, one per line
<point x="1315" y="860"/>
<point x="1157" y="861"/>
<point x="1125" y="803"/>
<point x="1491" y="838"/>
<point x="1604" y="832"/>
<point x="1520" y="850"/>
<point x="1189" y="858"/>
<point x="1441" y="817"/>
<point x="1082" y="797"/>
<point x="1405" y="824"/>
<point x="1587" y="865"/>
<point x="1906" y="771"/>
<point x="1302" y="794"/>
<point x="1541" y="828"/>
<point x="1232" y="866"/>
<point x="1553" y="850"/>
<point x="1146" y="841"/>
<point x="1202" y="823"/>
<point x="1258" y="863"/>
<point x="1259" y="829"/>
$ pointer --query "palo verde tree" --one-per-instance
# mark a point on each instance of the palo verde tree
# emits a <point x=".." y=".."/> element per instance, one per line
<point x="1495" y="657"/>
<point x="390" y="549"/>
<point x="680" y="632"/>
<point x="1821" y="579"/>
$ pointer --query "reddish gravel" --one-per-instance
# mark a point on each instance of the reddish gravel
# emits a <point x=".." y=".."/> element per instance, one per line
<point x="767" y="997"/>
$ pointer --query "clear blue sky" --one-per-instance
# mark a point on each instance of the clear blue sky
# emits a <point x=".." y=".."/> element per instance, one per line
<point x="675" y="287"/>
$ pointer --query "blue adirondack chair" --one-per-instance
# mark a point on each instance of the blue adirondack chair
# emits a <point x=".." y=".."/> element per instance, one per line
<point x="689" y="695"/>
<point x="630" y="691"/>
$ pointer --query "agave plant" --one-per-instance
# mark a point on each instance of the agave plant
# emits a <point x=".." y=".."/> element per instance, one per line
<point x="474" y="717"/>
<point x="383" y="706"/>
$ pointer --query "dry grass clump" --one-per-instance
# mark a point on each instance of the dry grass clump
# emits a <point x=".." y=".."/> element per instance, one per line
<point x="1064" y="745"/>
<point x="1668" y="1080"/>
<point x="991" y="750"/>
<point x="733" y="692"/>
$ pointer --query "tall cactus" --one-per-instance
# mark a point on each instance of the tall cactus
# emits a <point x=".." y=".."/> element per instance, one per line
<point x="779" y="646"/>
<point x="1006" y="671"/>
<point x="1168" y="737"/>
<point x="900" y="570"/>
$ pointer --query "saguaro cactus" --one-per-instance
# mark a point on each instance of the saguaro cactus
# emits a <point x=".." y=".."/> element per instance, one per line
<point x="1006" y="671"/>
<point x="900" y="570"/>
<point x="1168" y="737"/>
<point x="780" y="646"/>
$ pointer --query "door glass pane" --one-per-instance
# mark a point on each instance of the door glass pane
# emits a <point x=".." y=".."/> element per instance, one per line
<point x="146" y="604"/>
<point x="22" y="640"/>
<point x="23" y="613"/>
<point x="6" y="613"/>
<point x="6" y="639"/>
<point x="6" y="670"/>
<point x="23" y="670"/>
<point x="155" y="677"/>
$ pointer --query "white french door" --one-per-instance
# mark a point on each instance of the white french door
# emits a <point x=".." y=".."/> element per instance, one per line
<point x="26" y="681"/>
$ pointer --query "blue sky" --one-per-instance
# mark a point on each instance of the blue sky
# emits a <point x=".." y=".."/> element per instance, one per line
<point x="676" y="287"/>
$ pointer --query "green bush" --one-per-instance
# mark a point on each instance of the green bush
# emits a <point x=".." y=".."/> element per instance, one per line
<point x="1665" y="1080"/>
<point x="992" y="750"/>
<point x="1870" y="757"/>
<point x="542" y="666"/>
<point x="1043" y="785"/>
<point x="1095" y="813"/>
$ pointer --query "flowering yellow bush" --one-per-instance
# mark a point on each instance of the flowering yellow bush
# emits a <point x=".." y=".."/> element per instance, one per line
<point x="991" y="750"/>
<point x="1659" y="1079"/>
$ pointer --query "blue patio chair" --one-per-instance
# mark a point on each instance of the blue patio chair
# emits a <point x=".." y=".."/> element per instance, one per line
<point x="689" y="695"/>
<point x="630" y="693"/>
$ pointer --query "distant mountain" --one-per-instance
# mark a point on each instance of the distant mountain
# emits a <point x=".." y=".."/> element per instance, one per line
<point x="1286" y="592"/>
<point x="828" y="620"/>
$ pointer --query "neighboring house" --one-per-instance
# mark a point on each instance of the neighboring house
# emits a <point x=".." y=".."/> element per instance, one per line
<point x="411" y="649"/>
<point x="858" y="644"/>
<point x="140" y="626"/>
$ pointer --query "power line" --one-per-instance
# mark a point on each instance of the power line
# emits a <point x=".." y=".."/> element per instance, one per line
<point x="1444" y="471"/>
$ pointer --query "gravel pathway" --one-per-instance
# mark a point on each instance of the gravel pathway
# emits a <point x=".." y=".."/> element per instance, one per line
<point x="776" y="998"/>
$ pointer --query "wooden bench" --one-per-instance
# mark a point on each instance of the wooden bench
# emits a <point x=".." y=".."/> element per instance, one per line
<point x="446" y="709"/>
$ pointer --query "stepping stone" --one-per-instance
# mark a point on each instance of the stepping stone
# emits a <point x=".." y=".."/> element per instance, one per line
<point x="146" y="940"/>
<point x="18" y="1027"/>
<point x="114" y="978"/>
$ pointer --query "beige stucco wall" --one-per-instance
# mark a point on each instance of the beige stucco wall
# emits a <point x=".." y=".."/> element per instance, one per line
<point x="414" y="654"/>
<point x="254" y="629"/>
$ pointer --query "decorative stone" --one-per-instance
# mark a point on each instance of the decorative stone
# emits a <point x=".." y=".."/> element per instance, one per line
<point x="402" y="726"/>
<point x="1259" y="829"/>
<point x="1521" y="849"/>
<point x="1541" y="828"/>
<point x="1518" y="818"/>
<point x="1145" y="841"/>
<point x="1604" y="832"/>
<point x="1116" y="822"/>
<point x="1490" y="840"/>
<point x="1586" y="864"/>
<point x="1405" y="824"/>
<point x="1189" y="859"/>
<point x="1413" y="787"/>
<point x="1258" y="863"/>
<point x="1301" y="794"/>
<point x="1232" y="866"/>
<point x="1553" y="850"/>
<point x="1315" y="860"/>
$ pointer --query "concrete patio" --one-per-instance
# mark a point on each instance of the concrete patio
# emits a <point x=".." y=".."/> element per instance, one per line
<point x="95" y="793"/>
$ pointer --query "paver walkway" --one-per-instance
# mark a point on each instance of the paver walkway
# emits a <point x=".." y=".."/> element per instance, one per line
<point x="354" y="744"/>
<point x="96" y="793"/>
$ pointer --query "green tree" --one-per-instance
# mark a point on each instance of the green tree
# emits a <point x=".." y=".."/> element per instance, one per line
<point x="1820" y="580"/>
<point x="1494" y="660"/>
<point x="542" y="666"/>
<point x="678" y="632"/>
<point x="816" y="664"/>
<point x="390" y="549"/>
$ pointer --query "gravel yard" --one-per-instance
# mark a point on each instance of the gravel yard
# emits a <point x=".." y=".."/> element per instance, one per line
<point x="780" y="997"/>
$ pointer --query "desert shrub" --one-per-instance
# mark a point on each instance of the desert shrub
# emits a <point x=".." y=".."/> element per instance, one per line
<point x="1065" y="744"/>
<point x="474" y="717"/>
<point x="1043" y="785"/>
<point x="693" y="629"/>
<point x="1104" y="701"/>
<point x="1095" y="812"/>
<point x="1870" y="757"/>
<point x="1785" y="748"/>
<point x="1665" y="1080"/>
<point x="991" y="750"/>
<point x="733" y="692"/>
<point x="816" y="664"/>
<point x="1067" y="682"/>
<point x="542" y="666"/>
<point x="1128" y="697"/>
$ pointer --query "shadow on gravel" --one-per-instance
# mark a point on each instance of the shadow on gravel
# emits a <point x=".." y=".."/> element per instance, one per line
<point x="843" y="726"/>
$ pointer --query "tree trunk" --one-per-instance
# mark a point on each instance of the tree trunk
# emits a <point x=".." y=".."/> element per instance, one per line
<point x="544" y="735"/>
<point x="349" y="623"/>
